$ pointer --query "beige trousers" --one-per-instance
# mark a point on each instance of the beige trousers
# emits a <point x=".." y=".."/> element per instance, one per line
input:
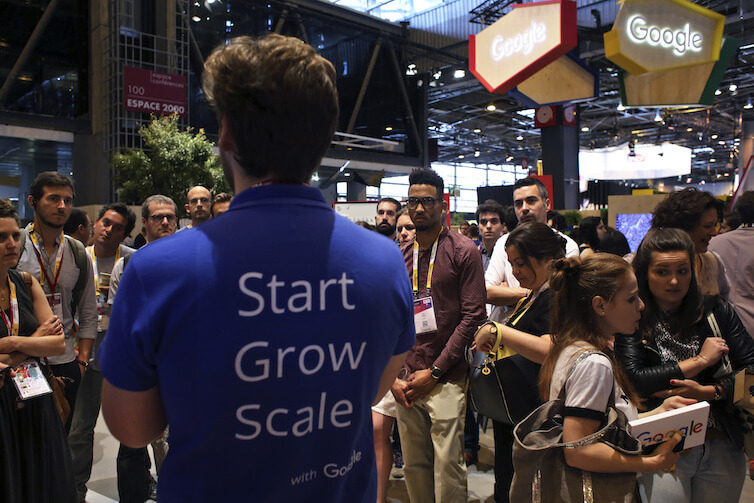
<point x="432" y="442"/>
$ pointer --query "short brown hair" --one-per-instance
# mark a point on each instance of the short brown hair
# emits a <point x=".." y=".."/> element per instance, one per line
<point x="222" y="197"/>
<point x="683" y="209"/>
<point x="49" y="179"/>
<point x="280" y="102"/>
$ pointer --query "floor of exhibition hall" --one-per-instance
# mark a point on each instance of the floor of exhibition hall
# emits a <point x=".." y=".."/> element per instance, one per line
<point x="103" y="487"/>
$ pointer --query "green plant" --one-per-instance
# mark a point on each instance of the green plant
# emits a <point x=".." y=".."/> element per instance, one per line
<point x="573" y="218"/>
<point x="172" y="162"/>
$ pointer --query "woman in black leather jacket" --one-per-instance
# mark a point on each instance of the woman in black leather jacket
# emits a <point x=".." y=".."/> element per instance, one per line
<point x="675" y="352"/>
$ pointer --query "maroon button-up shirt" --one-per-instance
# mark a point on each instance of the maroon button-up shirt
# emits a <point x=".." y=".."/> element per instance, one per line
<point x="458" y="295"/>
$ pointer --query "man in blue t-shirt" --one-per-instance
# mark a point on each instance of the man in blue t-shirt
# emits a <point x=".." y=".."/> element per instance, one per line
<point x="263" y="356"/>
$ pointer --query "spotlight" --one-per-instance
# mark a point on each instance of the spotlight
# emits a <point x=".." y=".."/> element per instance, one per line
<point x="491" y="107"/>
<point x="748" y="105"/>
<point x="519" y="137"/>
<point x="658" y="117"/>
<point x="411" y="69"/>
<point x="584" y="129"/>
<point x="620" y="107"/>
<point x="732" y="88"/>
<point x="718" y="92"/>
<point x="459" y="73"/>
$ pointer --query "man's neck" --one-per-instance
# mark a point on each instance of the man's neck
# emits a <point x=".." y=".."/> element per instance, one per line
<point x="427" y="238"/>
<point x="489" y="244"/>
<point x="103" y="252"/>
<point x="49" y="234"/>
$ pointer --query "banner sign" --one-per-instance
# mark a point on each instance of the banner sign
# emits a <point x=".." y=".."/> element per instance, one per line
<point x="655" y="35"/>
<point x="522" y="42"/>
<point x="159" y="93"/>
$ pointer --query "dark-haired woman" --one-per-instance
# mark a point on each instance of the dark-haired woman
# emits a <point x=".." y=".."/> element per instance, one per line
<point x="698" y="213"/>
<point x="531" y="248"/>
<point x="35" y="462"/>
<point x="676" y="353"/>
<point x="591" y="232"/>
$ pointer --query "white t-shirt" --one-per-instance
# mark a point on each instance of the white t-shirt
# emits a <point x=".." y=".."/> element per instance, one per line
<point x="500" y="271"/>
<point x="589" y="386"/>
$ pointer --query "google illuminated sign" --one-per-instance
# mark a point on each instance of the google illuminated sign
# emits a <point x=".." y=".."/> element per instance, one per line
<point x="655" y="35"/>
<point x="522" y="42"/>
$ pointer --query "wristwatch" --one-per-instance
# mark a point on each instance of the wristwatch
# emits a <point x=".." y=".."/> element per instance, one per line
<point x="718" y="395"/>
<point x="436" y="373"/>
<point x="83" y="363"/>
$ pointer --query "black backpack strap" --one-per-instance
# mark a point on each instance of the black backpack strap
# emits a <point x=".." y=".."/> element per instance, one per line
<point x="79" y="256"/>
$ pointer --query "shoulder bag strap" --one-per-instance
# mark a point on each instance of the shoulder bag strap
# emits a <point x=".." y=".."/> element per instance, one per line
<point x="725" y="367"/>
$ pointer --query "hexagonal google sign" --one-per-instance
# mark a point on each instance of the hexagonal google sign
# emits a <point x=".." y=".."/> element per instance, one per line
<point x="522" y="42"/>
<point x="655" y="35"/>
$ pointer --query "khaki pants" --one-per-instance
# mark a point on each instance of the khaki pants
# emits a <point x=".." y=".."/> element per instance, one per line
<point x="432" y="441"/>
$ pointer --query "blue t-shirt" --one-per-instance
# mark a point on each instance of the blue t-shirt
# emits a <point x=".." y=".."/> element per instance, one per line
<point x="267" y="331"/>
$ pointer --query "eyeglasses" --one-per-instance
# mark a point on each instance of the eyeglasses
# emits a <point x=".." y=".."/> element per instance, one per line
<point x="159" y="218"/>
<point x="427" y="202"/>
<point x="203" y="200"/>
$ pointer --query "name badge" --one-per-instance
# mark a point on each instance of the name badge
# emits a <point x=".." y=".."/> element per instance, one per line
<point x="30" y="381"/>
<point x="424" y="316"/>
<point x="103" y="319"/>
<point x="56" y="304"/>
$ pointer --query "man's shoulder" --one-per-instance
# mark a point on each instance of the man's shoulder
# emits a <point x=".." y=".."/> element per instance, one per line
<point x="126" y="251"/>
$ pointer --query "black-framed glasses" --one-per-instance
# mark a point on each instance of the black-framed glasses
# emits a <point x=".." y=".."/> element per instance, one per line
<point x="427" y="202"/>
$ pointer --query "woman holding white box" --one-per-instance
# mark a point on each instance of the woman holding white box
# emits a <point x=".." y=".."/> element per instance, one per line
<point x="676" y="353"/>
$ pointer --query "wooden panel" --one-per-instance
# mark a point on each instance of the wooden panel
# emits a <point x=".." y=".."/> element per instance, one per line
<point x="682" y="86"/>
<point x="560" y="81"/>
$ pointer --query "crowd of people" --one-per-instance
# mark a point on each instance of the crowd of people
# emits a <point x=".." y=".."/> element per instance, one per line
<point x="308" y="367"/>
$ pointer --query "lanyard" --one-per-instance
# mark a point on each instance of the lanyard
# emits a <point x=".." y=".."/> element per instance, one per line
<point x="432" y="257"/>
<point x="58" y="261"/>
<point x="11" y="324"/>
<point x="94" y="266"/>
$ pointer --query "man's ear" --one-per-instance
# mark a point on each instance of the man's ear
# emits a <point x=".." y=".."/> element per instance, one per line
<point x="225" y="142"/>
<point x="32" y="202"/>
<point x="547" y="203"/>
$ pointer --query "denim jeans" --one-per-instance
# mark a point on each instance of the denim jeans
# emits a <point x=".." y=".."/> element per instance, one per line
<point x="711" y="472"/>
<point x="81" y="436"/>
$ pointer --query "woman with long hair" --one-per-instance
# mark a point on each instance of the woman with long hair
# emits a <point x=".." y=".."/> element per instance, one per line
<point x="676" y="352"/>
<point x="35" y="462"/>
<point x="697" y="213"/>
<point x="532" y="248"/>
<point x="595" y="301"/>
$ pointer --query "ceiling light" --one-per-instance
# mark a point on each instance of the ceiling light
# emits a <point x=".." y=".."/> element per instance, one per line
<point x="658" y="117"/>
<point x="509" y="158"/>
<point x="411" y="69"/>
<point x="477" y="130"/>
<point x="620" y="107"/>
<point x="519" y="137"/>
<point x="689" y="129"/>
<point x="437" y="74"/>
<point x="748" y="105"/>
<point x="491" y="107"/>
<point x="727" y="174"/>
<point x="714" y="137"/>
<point x="718" y="92"/>
<point x="688" y="180"/>
<point x="584" y="129"/>
<point x="389" y="128"/>
<point x="459" y="73"/>
<point x="477" y="153"/>
<point x="732" y="88"/>
<point x="461" y="156"/>
<point x="195" y="13"/>
<point x="721" y="142"/>
<point x="711" y="160"/>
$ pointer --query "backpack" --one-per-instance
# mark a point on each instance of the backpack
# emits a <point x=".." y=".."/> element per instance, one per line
<point x="79" y="257"/>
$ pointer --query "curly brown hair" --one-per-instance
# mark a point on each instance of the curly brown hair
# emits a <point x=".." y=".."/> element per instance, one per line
<point x="683" y="209"/>
<point x="279" y="100"/>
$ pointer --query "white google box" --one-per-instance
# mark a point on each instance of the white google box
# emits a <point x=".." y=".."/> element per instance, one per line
<point x="691" y="421"/>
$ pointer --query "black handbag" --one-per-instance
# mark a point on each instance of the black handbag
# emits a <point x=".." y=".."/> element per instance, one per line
<point x="505" y="389"/>
<point x="540" y="471"/>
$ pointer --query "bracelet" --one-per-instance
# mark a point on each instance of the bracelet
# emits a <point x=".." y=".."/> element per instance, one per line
<point x="703" y="357"/>
<point x="83" y="363"/>
<point x="718" y="394"/>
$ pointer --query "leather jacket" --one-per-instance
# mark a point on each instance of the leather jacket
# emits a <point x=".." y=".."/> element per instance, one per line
<point x="641" y="361"/>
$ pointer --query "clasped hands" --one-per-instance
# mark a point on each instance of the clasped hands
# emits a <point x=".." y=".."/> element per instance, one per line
<point x="416" y="386"/>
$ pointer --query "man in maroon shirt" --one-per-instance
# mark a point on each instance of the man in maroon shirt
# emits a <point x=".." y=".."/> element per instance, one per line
<point x="449" y="296"/>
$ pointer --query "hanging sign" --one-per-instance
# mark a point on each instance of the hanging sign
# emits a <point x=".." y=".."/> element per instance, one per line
<point x="522" y="42"/>
<point x="565" y="80"/>
<point x="154" y="92"/>
<point x="655" y="35"/>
